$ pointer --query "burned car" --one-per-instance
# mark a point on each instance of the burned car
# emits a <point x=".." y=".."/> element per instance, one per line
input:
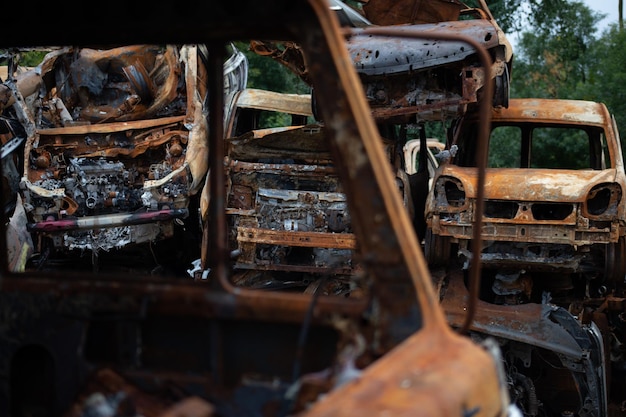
<point x="288" y="213"/>
<point x="141" y="344"/>
<point x="407" y="78"/>
<point x="552" y="252"/>
<point x="289" y="223"/>
<point x="412" y="149"/>
<point x="115" y="146"/>
<point x="553" y="192"/>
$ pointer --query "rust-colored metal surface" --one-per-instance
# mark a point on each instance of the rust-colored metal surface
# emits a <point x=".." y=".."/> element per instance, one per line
<point x="115" y="139"/>
<point x="306" y="239"/>
<point x="416" y="379"/>
<point x="287" y="210"/>
<point x="393" y="12"/>
<point x="540" y="336"/>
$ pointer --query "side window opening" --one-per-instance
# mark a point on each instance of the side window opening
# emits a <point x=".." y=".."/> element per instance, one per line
<point x="253" y="119"/>
<point x="549" y="147"/>
<point x="246" y="120"/>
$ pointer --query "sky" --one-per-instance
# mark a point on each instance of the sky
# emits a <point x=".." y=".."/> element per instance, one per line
<point x="604" y="6"/>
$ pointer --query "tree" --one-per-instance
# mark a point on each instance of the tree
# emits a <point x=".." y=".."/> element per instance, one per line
<point x="516" y="16"/>
<point x="607" y="74"/>
<point x="553" y="59"/>
<point x="559" y="56"/>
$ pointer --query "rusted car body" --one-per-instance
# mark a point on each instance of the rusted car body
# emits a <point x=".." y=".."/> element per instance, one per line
<point x="409" y="81"/>
<point x="553" y="250"/>
<point x="289" y="223"/>
<point x="556" y="210"/>
<point x="140" y="343"/>
<point x="288" y="218"/>
<point x="405" y="78"/>
<point x="411" y="151"/>
<point x="253" y="109"/>
<point x="116" y="146"/>
<point x="287" y="210"/>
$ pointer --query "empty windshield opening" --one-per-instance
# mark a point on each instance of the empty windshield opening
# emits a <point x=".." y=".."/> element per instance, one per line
<point x="542" y="147"/>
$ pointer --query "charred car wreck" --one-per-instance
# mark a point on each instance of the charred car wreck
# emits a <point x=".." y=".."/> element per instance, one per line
<point x="409" y="81"/>
<point x="115" y="146"/>
<point x="552" y="288"/>
<point x="554" y="203"/>
<point x="418" y="79"/>
<point x="289" y="223"/>
<point x="288" y="211"/>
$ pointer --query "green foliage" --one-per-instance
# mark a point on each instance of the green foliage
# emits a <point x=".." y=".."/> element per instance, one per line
<point x="32" y="58"/>
<point x="23" y="59"/>
<point x="607" y="74"/>
<point x="504" y="147"/>
<point x="560" y="148"/>
<point x="516" y="16"/>
<point x="509" y="14"/>
<point x="552" y="147"/>
<point x="552" y="60"/>
<point x="267" y="74"/>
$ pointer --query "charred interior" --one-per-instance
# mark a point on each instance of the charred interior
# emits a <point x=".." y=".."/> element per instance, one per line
<point x="288" y="214"/>
<point x="113" y="150"/>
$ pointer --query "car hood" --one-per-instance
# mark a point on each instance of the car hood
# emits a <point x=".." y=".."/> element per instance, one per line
<point x="388" y="55"/>
<point x="532" y="184"/>
<point x="378" y="55"/>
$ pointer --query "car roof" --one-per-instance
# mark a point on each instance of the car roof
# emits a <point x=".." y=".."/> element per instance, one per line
<point x="545" y="110"/>
<point x="253" y="98"/>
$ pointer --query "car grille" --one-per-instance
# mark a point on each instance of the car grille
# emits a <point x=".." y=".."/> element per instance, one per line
<point x="540" y="211"/>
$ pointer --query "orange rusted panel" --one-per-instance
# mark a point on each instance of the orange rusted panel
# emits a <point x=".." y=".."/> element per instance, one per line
<point x="295" y="238"/>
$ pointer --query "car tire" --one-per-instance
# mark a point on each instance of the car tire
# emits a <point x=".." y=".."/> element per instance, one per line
<point x="502" y="89"/>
